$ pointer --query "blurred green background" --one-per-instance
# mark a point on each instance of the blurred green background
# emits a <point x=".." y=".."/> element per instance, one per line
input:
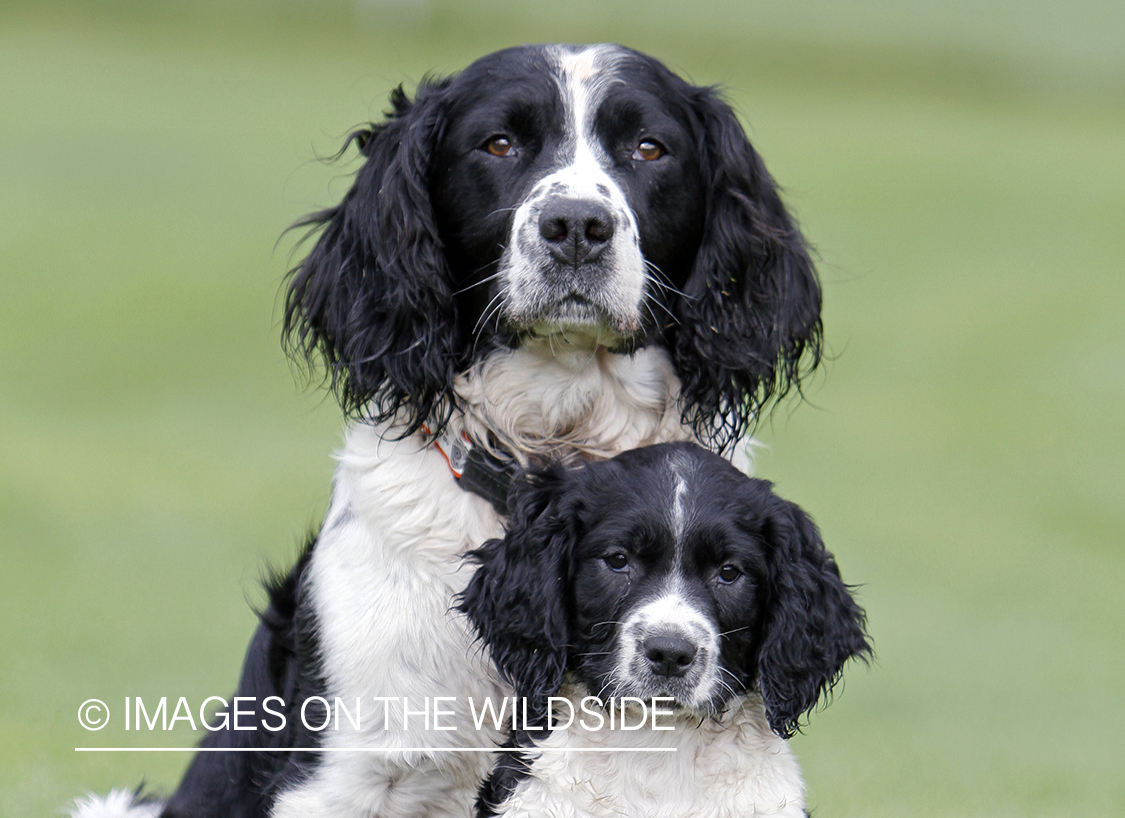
<point x="960" y="167"/>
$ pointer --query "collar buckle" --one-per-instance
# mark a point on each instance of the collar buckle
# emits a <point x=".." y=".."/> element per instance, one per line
<point x="474" y="468"/>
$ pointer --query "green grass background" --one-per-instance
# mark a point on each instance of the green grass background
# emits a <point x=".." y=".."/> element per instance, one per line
<point x="960" y="167"/>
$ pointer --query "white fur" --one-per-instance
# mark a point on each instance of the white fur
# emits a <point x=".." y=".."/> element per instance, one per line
<point x="680" y="514"/>
<point x="732" y="767"/>
<point x="555" y="394"/>
<point x="116" y="804"/>
<point x="381" y="581"/>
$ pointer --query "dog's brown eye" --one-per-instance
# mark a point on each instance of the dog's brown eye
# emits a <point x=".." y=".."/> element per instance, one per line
<point x="648" y="150"/>
<point x="499" y="145"/>
<point x="618" y="561"/>
<point x="729" y="573"/>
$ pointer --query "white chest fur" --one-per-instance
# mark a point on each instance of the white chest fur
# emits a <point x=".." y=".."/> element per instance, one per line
<point x="382" y="581"/>
<point x="733" y="768"/>
<point x="547" y="395"/>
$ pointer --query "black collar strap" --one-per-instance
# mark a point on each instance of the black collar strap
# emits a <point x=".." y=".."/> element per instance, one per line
<point x="474" y="468"/>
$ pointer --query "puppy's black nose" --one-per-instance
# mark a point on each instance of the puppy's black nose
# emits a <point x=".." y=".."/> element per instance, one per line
<point x="575" y="230"/>
<point x="669" y="655"/>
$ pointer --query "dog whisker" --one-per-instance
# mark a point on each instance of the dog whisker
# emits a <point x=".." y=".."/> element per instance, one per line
<point x="648" y="298"/>
<point x="661" y="280"/>
<point x="735" y="630"/>
<point x="483" y="281"/>
<point x="496" y="304"/>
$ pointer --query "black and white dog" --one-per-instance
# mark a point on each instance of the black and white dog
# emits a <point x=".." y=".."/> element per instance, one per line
<point x="562" y="250"/>
<point x="663" y="573"/>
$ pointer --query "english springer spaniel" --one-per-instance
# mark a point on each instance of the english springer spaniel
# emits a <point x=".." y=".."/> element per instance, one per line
<point x="662" y="574"/>
<point x="561" y="251"/>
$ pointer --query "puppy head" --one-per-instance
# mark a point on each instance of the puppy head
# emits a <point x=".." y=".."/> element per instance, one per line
<point x="665" y="572"/>
<point x="577" y="193"/>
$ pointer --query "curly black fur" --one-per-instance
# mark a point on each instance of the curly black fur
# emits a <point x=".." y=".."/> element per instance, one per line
<point x="374" y="297"/>
<point x="749" y="327"/>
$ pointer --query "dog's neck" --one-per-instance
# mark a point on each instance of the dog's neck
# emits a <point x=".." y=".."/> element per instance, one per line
<point x="549" y="398"/>
<point x="727" y="765"/>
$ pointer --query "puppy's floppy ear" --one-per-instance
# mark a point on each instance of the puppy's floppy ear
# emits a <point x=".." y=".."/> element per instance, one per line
<point x="752" y="305"/>
<point x="374" y="296"/>
<point x="813" y="626"/>
<point x="517" y="600"/>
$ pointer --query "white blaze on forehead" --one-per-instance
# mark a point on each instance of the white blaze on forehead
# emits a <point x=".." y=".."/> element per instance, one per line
<point x="583" y="65"/>
<point x="678" y="512"/>
<point x="583" y="77"/>
<point x="680" y="473"/>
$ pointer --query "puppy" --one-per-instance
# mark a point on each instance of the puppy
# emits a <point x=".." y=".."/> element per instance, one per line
<point x="561" y="251"/>
<point x="662" y="574"/>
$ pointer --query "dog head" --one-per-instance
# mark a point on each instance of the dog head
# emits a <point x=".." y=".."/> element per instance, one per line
<point x="664" y="572"/>
<point x="584" y="193"/>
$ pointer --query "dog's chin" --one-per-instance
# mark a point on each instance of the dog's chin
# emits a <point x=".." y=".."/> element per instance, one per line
<point x="576" y="321"/>
<point x="692" y="706"/>
<point x="688" y="700"/>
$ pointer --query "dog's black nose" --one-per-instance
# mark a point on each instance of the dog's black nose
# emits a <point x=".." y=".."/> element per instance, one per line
<point x="575" y="230"/>
<point x="669" y="655"/>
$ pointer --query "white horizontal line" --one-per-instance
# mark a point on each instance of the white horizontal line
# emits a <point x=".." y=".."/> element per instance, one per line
<point x="374" y="750"/>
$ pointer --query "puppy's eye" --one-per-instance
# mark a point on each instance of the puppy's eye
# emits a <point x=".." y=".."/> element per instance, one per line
<point x="729" y="573"/>
<point x="618" y="561"/>
<point x="648" y="150"/>
<point x="499" y="145"/>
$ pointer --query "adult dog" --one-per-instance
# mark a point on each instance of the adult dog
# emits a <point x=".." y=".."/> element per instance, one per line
<point x="663" y="573"/>
<point x="559" y="251"/>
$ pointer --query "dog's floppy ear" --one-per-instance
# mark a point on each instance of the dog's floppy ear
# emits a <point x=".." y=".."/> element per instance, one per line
<point x="517" y="600"/>
<point x="813" y="626"/>
<point x="374" y="296"/>
<point x="751" y="307"/>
